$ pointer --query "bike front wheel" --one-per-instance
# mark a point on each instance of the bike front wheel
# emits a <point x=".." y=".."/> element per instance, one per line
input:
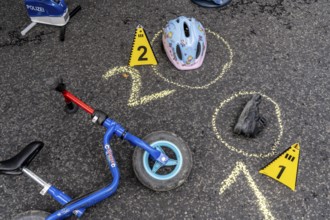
<point x="160" y="177"/>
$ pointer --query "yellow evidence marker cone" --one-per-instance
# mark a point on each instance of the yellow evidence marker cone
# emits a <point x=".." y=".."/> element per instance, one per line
<point x="141" y="53"/>
<point x="284" y="168"/>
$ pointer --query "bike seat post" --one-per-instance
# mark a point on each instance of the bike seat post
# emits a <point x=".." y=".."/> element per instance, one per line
<point x="38" y="180"/>
<point x="57" y="194"/>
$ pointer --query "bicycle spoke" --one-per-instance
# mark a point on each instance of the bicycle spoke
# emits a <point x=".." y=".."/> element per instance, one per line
<point x="171" y="162"/>
<point x="160" y="149"/>
<point x="156" y="167"/>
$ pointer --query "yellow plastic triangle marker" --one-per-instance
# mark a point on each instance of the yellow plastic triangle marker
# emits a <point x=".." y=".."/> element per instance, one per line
<point x="142" y="53"/>
<point x="284" y="168"/>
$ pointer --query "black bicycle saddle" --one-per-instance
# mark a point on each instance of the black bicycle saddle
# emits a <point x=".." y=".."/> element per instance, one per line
<point x="14" y="165"/>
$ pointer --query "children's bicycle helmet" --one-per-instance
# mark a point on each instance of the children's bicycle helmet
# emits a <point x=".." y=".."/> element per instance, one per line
<point x="184" y="41"/>
<point x="211" y="3"/>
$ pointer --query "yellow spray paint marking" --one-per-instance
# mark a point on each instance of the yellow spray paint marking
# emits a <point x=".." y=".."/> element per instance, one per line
<point x="141" y="53"/>
<point x="235" y="149"/>
<point x="284" y="168"/>
<point x="135" y="98"/>
<point x="232" y="178"/>
<point x="220" y="75"/>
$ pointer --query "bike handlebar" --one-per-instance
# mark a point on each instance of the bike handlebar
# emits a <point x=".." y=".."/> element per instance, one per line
<point x="69" y="97"/>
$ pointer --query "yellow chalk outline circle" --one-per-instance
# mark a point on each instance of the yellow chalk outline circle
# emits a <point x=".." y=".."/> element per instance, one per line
<point x="232" y="148"/>
<point x="224" y="69"/>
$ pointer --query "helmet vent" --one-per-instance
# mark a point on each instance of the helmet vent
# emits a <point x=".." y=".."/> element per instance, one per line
<point x="178" y="52"/>
<point x="198" y="50"/>
<point x="186" y="29"/>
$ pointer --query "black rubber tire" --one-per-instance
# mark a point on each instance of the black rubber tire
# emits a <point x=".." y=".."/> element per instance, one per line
<point x="32" y="215"/>
<point x="71" y="108"/>
<point x="179" y="178"/>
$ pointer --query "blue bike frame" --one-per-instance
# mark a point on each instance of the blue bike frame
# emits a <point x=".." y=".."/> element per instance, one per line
<point x="78" y="206"/>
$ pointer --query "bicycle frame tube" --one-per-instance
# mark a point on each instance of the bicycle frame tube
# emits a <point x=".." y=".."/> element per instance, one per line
<point x="99" y="195"/>
<point x="63" y="199"/>
<point x="57" y="194"/>
<point x="135" y="141"/>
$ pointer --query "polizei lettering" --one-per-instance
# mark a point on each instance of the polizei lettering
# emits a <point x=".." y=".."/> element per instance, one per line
<point x="35" y="8"/>
<point x="110" y="156"/>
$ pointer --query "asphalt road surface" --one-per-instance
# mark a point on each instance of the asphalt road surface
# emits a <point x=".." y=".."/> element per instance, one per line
<point x="276" y="48"/>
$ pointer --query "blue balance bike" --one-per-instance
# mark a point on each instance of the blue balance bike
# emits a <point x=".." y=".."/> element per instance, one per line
<point x="161" y="162"/>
